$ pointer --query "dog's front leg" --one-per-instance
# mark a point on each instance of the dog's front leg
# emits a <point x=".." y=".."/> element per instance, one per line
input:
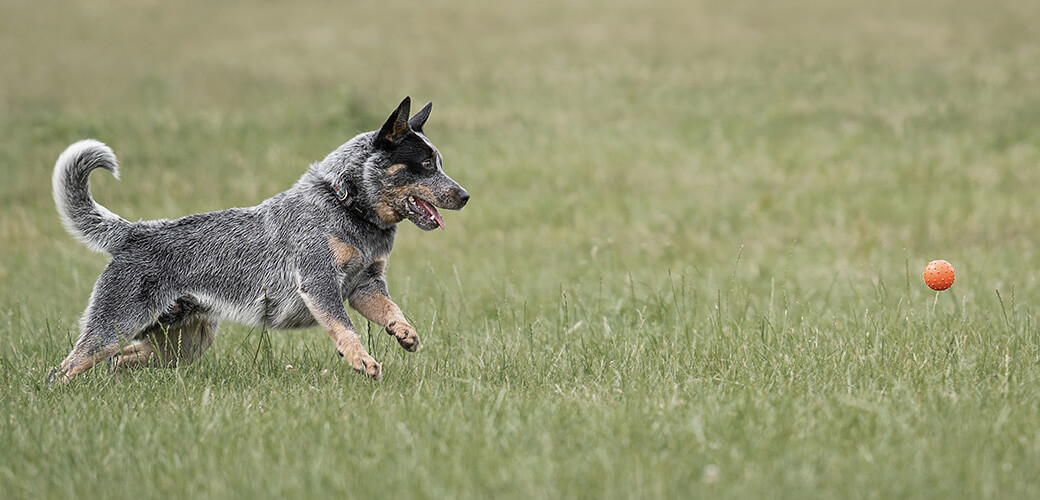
<point x="373" y="302"/>
<point x="326" y="305"/>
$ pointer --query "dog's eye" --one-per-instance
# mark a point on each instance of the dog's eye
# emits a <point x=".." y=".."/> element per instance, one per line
<point x="427" y="164"/>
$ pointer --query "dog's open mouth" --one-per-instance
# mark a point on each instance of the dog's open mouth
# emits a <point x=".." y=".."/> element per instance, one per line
<point x="423" y="214"/>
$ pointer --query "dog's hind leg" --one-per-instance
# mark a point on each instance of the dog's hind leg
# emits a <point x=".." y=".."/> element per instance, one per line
<point x="169" y="347"/>
<point x="139" y="353"/>
<point x="104" y="333"/>
<point x="117" y="313"/>
<point x="83" y="357"/>
<point x="185" y="342"/>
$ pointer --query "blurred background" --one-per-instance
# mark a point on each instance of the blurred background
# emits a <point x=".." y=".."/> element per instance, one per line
<point x="695" y="166"/>
<point x="832" y="138"/>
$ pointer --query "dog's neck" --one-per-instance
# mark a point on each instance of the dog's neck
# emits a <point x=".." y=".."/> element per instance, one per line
<point x="345" y="193"/>
<point x="342" y="195"/>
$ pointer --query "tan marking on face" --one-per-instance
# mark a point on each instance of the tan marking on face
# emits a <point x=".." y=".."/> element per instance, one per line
<point x="389" y="200"/>
<point x="387" y="213"/>
<point x="390" y="206"/>
<point x="424" y="192"/>
<point x="342" y="252"/>
<point x="395" y="168"/>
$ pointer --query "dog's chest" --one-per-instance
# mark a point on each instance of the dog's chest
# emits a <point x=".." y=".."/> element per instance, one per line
<point x="357" y="264"/>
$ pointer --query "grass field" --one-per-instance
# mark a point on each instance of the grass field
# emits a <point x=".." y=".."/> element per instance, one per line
<point x="690" y="267"/>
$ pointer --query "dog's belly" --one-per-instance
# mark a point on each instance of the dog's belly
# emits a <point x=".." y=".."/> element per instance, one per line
<point x="292" y="313"/>
<point x="263" y="311"/>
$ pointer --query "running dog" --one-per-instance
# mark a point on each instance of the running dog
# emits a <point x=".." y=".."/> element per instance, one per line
<point x="289" y="262"/>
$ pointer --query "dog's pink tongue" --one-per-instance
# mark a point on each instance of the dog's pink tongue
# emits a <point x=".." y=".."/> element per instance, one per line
<point x="432" y="212"/>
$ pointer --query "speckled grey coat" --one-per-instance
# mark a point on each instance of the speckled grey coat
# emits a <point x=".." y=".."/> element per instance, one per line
<point x="289" y="262"/>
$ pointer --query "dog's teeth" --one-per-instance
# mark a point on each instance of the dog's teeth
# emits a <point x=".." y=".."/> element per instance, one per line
<point x="411" y="199"/>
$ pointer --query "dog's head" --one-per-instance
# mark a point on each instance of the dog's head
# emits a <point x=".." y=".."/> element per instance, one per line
<point x="402" y="176"/>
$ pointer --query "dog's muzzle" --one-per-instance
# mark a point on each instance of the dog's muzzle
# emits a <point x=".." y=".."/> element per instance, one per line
<point x="463" y="196"/>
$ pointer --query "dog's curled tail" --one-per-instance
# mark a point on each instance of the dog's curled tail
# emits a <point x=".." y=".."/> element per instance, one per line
<point x="91" y="223"/>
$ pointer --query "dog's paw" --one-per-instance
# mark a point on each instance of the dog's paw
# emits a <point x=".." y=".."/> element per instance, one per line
<point x="368" y="366"/>
<point x="57" y="376"/>
<point x="405" y="335"/>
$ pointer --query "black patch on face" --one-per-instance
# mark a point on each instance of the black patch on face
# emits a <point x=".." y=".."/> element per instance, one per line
<point x="411" y="190"/>
<point x="412" y="152"/>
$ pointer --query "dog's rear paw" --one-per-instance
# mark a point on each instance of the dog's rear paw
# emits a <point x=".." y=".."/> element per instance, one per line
<point x="367" y="365"/>
<point x="57" y="376"/>
<point x="405" y="335"/>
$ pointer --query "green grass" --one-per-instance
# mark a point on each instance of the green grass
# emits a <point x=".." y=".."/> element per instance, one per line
<point x="690" y="268"/>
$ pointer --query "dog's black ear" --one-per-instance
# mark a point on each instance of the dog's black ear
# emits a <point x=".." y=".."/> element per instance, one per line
<point x="417" y="121"/>
<point x="396" y="127"/>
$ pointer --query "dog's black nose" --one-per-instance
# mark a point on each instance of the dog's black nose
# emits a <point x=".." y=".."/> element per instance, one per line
<point x="463" y="197"/>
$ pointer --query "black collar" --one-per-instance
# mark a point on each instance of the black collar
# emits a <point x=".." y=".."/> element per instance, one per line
<point x="343" y="195"/>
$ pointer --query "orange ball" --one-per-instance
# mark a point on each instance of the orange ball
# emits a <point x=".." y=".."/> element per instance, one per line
<point x="938" y="275"/>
